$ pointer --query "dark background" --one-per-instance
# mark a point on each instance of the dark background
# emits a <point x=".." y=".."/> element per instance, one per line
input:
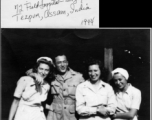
<point x="21" y="48"/>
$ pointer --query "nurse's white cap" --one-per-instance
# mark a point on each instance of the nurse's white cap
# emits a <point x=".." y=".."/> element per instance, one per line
<point x="46" y="58"/>
<point x="121" y="71"/>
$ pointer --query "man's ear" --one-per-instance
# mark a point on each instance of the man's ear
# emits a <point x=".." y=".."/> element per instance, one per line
<point x="55" y="64"/>
<point x="67" y="63"/>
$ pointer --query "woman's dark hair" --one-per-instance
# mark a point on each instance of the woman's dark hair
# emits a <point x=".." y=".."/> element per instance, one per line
<point x="51" y="72"/>
<point x="92" y="61"/>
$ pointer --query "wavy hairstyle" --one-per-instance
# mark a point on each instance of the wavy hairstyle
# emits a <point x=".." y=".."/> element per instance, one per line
<point x="50" y="64"/>
<point x="92" y="61"/>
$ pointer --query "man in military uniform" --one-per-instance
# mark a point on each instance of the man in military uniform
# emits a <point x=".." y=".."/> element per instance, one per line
<point x="63" y="89"/>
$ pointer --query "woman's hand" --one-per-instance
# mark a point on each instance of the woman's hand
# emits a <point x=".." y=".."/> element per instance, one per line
<point x="127" y="115"/>
<point x="103" y="111"/>
<point x="38" y="78"/>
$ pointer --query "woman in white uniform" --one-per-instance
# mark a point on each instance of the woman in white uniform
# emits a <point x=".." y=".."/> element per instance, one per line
<point x="29" y="94"/>
<point x="95" y="99"/>
<point x="128" y="97"/>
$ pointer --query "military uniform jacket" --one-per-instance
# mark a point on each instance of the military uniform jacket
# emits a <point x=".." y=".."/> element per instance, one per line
<point x="63" y="90"/>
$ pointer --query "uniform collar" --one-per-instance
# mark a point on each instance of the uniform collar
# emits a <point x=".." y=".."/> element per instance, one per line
<point x="72" y="71"/>
<point x="89" y="85"/>
<point x="68" y="75"/>
<point x="129" y="88"/>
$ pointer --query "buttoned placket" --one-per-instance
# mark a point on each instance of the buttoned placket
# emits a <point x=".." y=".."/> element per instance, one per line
<point x="62" y="81"/>
<point x="95" y="92"/>
<point x="91" y="87"/>
<point x="120" y="96"/>
<point x="42" y="85"/>
<point x="65" y="89"/>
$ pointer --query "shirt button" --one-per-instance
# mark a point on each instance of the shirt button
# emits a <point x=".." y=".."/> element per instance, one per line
<point x="64" y="107"/>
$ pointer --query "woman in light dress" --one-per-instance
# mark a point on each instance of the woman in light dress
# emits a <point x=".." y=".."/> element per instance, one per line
<point x="128" y="97"/>
<point x="29" y="94"/>
<point x="95" y="99"/>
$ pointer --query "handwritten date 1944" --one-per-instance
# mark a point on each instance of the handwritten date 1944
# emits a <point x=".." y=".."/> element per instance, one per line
<point x="87" y="21"/>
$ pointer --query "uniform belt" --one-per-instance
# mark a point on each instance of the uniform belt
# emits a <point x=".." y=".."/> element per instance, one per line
<point x="35" y="106"/>
<point x="66" y="101"/>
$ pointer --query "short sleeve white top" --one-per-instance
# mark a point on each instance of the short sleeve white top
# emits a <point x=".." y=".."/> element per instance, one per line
<point x="131" y="98"/>
<point x="26" y="90"/>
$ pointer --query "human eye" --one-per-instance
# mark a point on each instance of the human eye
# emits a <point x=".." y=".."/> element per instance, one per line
<point x="47" y="70"/>
<point x="114" y="80"/>
<point x="64" y="61"/>
<point x="58" y="62"/>
<point x="40" y="68"/>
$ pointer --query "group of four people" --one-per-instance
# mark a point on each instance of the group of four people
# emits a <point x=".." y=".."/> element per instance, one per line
<point x="73" y="97"/>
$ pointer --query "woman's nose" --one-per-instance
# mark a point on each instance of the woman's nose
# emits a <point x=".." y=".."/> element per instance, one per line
<point x="118" y="82"/>
<point x="62" y="64"/>
<point x="93" y="73"/>
<point x="43" y="71"/>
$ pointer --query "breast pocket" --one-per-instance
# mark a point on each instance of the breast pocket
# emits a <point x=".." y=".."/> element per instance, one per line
<point x="72" y="88"/>
<point x="28" y="92"/>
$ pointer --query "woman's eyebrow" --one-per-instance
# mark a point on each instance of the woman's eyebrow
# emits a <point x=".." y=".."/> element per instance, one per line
<point x="116" y="73"/>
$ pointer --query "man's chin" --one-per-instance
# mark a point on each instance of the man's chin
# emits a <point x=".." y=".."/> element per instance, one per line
<point x="62" y="71"/>
<point x="94" y="80"/>
<point x="120" y="87"/>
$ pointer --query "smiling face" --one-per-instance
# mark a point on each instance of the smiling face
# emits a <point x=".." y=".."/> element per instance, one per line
<point x="43" y="70"/>
<point x="94" y="72"/>
<point x="120" y="81"/>
<point x="61" y="64"/>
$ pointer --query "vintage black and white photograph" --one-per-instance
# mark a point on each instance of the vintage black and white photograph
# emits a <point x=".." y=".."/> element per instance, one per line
<point x="75" y="74"/>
